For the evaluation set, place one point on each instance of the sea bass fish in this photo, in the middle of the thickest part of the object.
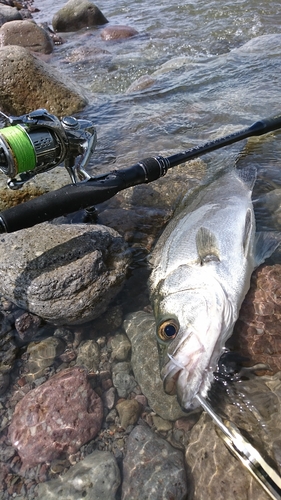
(202, 265)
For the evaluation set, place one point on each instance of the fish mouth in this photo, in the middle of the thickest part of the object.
(179, 384)
(187, 380)
(170, 383)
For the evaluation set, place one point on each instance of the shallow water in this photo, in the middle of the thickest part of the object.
(210, 69)
(205, 81)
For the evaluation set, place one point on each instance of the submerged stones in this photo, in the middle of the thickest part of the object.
(213, 467)
(88, 355)
(56, 418)
(41, 355)
(96, 477)
(118, 32)
(153, 469)
(65, 273)
(129, 412)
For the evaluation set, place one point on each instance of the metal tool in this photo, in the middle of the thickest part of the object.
(248, 455)
(38, 141)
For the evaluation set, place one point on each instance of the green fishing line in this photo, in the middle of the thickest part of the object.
(21, 146)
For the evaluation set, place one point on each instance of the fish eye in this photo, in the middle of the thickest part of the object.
(168, 329)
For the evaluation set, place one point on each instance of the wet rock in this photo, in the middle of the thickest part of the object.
(108, 322)
(142, 83)
(161, 424)
(64, 334)
(4, 381)
(257, 333)
(6, 453)
(152, 468)
(140, 328)
(124, 382)
(66, 273)
(109, 398)
(120, 346)
(43, 183)
(57, 40)
(139, 225)
(90, 55)
(42, 354)
(129, 412)
(56, 418)
(88, 355)
(8, 349)
(74, 16)
(26, 34)
(4, 472)
(106, 383)
(118, 32)
(213, 467)
(27, 326)
(27, 83)
(8, 14)
(96, 477)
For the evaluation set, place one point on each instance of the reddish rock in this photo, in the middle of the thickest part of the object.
(27, 326)
(118, 32)
(56, 418)
(257, 332)
(4, 473)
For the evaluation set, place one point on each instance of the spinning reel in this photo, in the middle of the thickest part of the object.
(38, 141)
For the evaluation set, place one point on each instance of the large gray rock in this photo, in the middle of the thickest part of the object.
(8, 13)
(74, 16)
(26, 83)
(153, 469)
(96, 477)
(63, 273)
(140, 328)
(26, 34)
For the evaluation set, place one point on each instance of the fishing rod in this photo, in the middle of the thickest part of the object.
(49, 142)
(259, 467)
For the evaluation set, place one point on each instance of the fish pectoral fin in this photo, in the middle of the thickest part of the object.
(247, 231)
(266, 243)
(207, 247)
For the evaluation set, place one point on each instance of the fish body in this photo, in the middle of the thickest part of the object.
(202, 265)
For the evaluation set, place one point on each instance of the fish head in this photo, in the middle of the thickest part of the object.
(192, 326)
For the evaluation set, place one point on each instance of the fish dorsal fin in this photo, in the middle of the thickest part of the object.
(248, 175)
(247, 231)
(207, 247)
